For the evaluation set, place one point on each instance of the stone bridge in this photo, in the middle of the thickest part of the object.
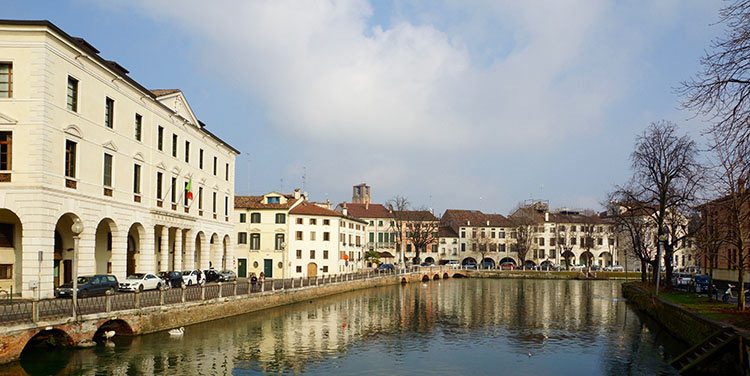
(238, 299)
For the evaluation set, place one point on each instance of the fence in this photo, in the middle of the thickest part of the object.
(18, 312)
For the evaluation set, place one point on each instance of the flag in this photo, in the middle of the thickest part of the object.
(189, 189)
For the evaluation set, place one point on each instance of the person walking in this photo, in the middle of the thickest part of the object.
(253, 282)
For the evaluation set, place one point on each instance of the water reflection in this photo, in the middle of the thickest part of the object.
(441, 327)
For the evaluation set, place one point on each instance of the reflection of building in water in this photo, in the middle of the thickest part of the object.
(293, 338)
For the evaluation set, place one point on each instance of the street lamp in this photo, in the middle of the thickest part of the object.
(77, 229)
(659, 245)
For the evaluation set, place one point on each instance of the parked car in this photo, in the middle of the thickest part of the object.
(488, 265)
(426, 264)
(577, 267)
(614, 268)
(386, 267)
(507, 266)
(171, 279)
(92, 285)
(470, 265)
(682, 280)
(212, 275)
(454, 264)
(140, 282)
(227, 276)
(193, 277)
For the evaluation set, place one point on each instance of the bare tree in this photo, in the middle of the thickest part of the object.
(564, 245)
(633, 227)
(418, 228)
(708, 241)
(732, 214)
(524, 234)
(665, 181)
(587, 243)
(397, 206)
(483, 245)
(721, 91)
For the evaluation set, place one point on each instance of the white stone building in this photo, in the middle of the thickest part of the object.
(380, 231)
(323, 241)
(470, 236)
(80, 139)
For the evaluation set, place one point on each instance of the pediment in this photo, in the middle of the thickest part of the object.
(73, 130)
(7, 120)
(179, 106)
(203, 181)
(176, 170)
(110, 145)
(138, 157)
(216, 187)
(161, 166)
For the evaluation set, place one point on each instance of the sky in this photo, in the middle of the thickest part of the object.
(471, 104)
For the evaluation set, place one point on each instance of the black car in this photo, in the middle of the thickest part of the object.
(212, 275)
(386, 267)
(91, 285)
(171, 279)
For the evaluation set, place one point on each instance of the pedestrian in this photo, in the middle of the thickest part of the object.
(253, 281)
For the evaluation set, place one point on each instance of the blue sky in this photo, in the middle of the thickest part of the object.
(453, 104)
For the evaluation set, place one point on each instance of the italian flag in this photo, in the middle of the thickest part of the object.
(189, 189)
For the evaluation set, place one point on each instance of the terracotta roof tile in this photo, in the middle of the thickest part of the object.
(256, 202)
(365, 210)
(415, 215)
(162, 92)
(475, 218)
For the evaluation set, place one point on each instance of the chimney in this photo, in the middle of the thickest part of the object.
(296, 193)
(345, 212)
(488, 222)
(468, 222)
(367, 205)
(546, 216)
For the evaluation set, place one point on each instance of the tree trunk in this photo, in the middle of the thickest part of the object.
(741, 279)
(643, 271)
(668, 266)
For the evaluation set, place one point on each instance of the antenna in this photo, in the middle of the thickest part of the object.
(281, 185)
(304, 177)
(248, 173)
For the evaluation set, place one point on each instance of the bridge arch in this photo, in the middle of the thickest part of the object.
(48, 338)
(120, 327)
(436, 277)
(446, 276)
(469, 260)
(425, 278)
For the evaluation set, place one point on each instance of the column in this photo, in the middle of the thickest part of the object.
(87, 249)
(189, 250)
(178, 249)
(231, 265)
(146, 249)
(164, 255)
(119, 253)
(37, 235)
(205, 252)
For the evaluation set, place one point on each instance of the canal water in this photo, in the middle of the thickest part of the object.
(447, 327)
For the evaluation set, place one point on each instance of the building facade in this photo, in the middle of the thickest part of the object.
(480, 239)
(81, 140)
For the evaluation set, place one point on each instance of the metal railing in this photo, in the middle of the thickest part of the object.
(24, 311)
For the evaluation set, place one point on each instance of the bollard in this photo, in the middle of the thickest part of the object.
(108, 301)
(161, 296)
(219, 289)
(184, 289)
(34, 310)
(203, 292)
(316, 281)
(273, 285)
(137, 299)
(234, 289)
(301, 282)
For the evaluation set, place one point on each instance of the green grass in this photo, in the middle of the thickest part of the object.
(712, 309)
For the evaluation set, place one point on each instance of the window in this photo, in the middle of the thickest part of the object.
(573, 241)
(312, 254)
(6, 271)
(226, 172)
(326, 222)
(200, 198)
(174, 145)
(313, 221)
(255, 241)
(6, 80)
(299, 254)
(463, 234)
(312, 235)
(325, 268)
(279, 244)
(463, 247)
(137, 179)
(107, 178)
(187, 151)
(502, 247)
(326, 236)
(599, 241)
(325, 255)
(138, 126)
(298, 235)
(280, 218)
(298, 269)
(254, 217)
(6, 235)
(109, 112)
(213, 202)
(241, 238)
(160, 138)
(200, 159)
(541, 241)
(159, 179)
(215, 161)
(72, 95)
(299, 221)
(226, 206)
(243, 217)
(273, 200)
(611, 241)
(6, 151)
(70, 159)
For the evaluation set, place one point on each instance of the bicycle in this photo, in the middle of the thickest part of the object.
(729, 295)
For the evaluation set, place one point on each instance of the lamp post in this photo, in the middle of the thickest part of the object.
(77, 229)
(659, 245)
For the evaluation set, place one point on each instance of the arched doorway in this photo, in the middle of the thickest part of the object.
(528, 264)
(469, 261)
(103, 246)
(587, 258)
(214, 257)
(429, 260)
(312, 270)
(135, 234)
(200, 251)
(226, 262)
(605, 259)
(568, 259)
(546, 265)
(488, 263)
(507, 260)
(11, 252)
(63, 250)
